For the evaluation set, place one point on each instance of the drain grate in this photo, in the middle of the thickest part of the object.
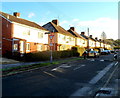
(103, 92)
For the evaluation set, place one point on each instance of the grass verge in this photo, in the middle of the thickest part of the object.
(18, 69)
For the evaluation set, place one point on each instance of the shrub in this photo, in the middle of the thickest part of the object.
(37, 56)
(15, 55)
(45, 55)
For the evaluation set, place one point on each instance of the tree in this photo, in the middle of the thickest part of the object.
(117, 42)
(103, 36)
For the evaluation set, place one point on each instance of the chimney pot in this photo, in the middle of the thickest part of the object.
(82, 33)
(72, 28)
(90, 36)
(96, 38)
(55, 22)
(16, 14)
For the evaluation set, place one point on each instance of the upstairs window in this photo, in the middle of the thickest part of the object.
(40, 35)
(26, 33)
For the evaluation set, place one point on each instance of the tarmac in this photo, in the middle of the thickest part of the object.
(112, 82)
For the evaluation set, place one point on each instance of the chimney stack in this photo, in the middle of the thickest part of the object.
(72, 28)
(90, 36)
(55, 22)
(96, 38)
(16, 14)
(82, 33)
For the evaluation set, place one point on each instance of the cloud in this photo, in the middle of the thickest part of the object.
(63, 22)
(31, 15)
(108, 25)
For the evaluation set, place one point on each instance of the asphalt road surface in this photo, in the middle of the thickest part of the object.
(76, 78)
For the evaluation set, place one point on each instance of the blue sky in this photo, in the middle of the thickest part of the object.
(98, 16)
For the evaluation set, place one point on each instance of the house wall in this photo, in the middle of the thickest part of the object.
(91, 43)
(97, 44)
(30, 34)
(7, 30)
(66, 41)
(81, 42)
(35, 37)
(102, 45)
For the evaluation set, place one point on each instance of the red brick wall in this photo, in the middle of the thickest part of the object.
(7, 28)
(33, 47)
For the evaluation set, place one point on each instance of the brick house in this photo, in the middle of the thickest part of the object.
(20, 35)
(62, 39)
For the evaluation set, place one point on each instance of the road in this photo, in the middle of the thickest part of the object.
(76, 78)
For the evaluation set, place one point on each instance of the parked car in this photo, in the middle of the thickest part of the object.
(112, 51)
(105, 52)
(93, 54)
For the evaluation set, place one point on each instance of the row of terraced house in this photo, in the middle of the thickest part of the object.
(25, 36)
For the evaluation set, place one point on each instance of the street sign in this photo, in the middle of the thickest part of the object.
(51, 44)
(51, 36)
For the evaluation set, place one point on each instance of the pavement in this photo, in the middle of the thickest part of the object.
(8, 63)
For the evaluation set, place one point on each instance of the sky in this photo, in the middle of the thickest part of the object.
(97, 16)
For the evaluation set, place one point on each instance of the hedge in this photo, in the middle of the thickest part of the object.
(45, 55)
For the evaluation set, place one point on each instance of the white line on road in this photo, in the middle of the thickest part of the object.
(116, 63)
(84, 90)
(78, 67)
(49, 74)
(102, 60)
(101, 74)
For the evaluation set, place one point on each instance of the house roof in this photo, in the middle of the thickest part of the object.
(21, 21)
(86, 37)
(61, 30)
(75, 34)
(57, 29)
(92, 39)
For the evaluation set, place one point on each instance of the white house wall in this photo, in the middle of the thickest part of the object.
(20, 30)
(64, 39)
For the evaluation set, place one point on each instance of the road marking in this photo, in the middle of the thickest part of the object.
(101, 74)
(62, 66)
(91, 59)
(110, 76)
(84, 90)
(102, 60)
(49, 74)
(78, 67)
(116, 63)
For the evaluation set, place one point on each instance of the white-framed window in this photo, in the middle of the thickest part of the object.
(15, 47)
(26, 33)
(39, 47)
(40, 35)
(64, 38)
(28, 46)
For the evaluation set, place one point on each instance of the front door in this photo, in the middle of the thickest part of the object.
(22, 47)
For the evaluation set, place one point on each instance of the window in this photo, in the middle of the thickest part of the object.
(70, 39)
(64, 38)
(28, 46)
(27, 32)
(40, 35)
(15, 47)
(39, 48)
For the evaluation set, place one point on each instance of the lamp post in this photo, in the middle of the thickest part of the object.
(51, 44)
